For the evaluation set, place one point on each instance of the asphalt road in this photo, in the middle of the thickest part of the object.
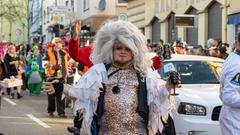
(28, 116)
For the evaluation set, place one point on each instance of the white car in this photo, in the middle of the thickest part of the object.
(198, 105)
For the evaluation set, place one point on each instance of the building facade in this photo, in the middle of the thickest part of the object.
(94, 12)
(35, 20)
(233, 20)
(156, 18)
(57, 17)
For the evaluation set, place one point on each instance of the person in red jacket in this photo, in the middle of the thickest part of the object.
(82, 55)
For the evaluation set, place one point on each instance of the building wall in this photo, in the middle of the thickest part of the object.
(110, 8)
(93, 9)
(96, 17)
(36, 21)
(233, 8)
(47, 19)
(136, 12)
(64, 18)
(180, 7)
(121, 8)
(162, 8)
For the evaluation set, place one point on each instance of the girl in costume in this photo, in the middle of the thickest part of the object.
(35, 71)
(35, 78)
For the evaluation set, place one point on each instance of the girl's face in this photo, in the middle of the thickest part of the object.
(122, 55)
(12, 49)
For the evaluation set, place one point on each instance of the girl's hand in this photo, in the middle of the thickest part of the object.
(48, 87)
(77, 30)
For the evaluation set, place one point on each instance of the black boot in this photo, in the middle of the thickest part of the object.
(8, 91)
(19, 96)
(74, 130)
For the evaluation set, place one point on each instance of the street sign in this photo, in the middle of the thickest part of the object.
(70, 15)
(56, 18)
(122, 17)
(59, 9)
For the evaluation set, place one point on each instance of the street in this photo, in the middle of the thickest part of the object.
(28, 116)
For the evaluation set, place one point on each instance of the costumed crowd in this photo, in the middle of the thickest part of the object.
(119, 91)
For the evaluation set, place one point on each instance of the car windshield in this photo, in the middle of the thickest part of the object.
(193, 72)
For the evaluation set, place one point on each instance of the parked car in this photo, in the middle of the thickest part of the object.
(197, 106)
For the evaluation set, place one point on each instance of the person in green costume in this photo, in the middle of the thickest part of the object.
(35, 78)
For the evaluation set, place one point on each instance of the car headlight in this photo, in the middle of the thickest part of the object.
(191, 109)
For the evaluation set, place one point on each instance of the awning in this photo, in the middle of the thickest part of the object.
(234, 19)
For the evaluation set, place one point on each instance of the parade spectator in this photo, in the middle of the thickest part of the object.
(149, 44)
(11, 61)
(58, 65)
(223, 52)
(4, 47)
(214, 52)
(126, 95)
(22, 65)
(179, 48)
(2, 70)
(211, 43)
(198, 50)
(230, 93)
(3, 51)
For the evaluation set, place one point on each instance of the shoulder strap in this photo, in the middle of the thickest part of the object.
(142, 107)
(100, 107)
(107, 66)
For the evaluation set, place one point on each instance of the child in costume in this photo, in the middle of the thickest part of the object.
(35, 56)
(35, 71)
(35, 78)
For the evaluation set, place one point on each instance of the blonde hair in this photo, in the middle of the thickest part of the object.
(12, 50)
(126, 33)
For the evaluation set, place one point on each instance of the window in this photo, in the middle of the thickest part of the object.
(194, 72)
(86, 4)
(44, 16)
(122, 1)
(66, 3)
(72, 2)
(31, 17)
